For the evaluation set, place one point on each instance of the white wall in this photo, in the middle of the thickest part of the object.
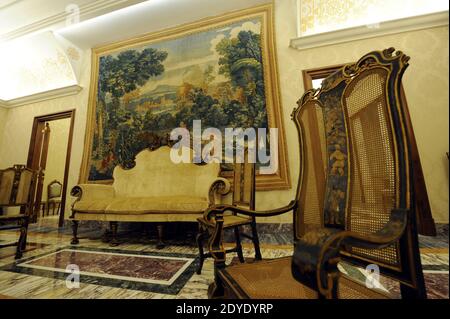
(3, 119)
(15, 140)
(425, 82)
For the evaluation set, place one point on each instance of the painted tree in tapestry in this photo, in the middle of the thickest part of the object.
(214, 75)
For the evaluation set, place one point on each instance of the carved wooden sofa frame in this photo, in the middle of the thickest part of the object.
(154, 189)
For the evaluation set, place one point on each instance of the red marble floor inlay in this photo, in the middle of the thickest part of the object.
(114, 264)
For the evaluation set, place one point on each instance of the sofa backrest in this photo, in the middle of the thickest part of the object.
(155, 174)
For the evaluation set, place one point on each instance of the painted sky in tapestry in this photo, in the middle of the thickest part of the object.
(214, 75)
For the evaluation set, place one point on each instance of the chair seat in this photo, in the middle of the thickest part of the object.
(272, 279)
(166, 204)
(228, 221)
(92, 206)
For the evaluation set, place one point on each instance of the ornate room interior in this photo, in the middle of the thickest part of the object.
(245, 149)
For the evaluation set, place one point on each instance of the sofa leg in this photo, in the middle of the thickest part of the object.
(74, 240)
(114, 242)
(201, 254)
(160, 243)
(106, 236)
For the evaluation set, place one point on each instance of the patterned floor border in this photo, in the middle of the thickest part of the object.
(22, 266)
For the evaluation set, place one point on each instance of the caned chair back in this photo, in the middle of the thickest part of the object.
(244, 180)
(16, 186)
(355, 166)
(54, 189)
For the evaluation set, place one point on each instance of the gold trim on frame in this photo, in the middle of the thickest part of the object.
(279, 180)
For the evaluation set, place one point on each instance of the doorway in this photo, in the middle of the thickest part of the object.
(49, 155)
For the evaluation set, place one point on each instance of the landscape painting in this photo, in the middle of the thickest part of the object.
(215, 74)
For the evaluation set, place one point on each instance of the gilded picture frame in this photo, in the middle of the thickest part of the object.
(264, 14)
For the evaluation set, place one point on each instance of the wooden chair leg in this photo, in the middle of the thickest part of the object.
(216, 289)
(160, 243)
(408, 292)
(24, 238)
(238, 244)
(114, 226)
(74, 240)
(21, 245)
(200, 237)
(255, 240)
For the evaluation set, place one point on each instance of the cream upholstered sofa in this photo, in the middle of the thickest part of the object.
(155, 190)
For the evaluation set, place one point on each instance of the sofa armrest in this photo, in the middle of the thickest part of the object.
(92, 191)
(220, 186)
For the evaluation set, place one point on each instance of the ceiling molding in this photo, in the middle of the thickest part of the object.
(39, 97)
(370, 31)
(87, 11)
(7, 3)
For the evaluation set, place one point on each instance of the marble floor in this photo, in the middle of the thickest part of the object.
(107, 272)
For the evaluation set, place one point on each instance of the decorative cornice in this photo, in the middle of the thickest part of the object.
(87, 11)
(370, 31)
(39, 97)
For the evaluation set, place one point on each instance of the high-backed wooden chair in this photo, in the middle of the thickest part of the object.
(17, 190)
(243, 197)
(354, 198)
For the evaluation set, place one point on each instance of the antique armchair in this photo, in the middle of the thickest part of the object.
(354, 199)
(17, 185)
(54, 191)
(243, 197)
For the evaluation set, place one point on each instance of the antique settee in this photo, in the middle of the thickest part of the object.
(156, 189)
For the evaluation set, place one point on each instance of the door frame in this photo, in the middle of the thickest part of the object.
(34, 133)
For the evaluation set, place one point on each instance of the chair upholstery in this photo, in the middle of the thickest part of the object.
(355, 194)
(17, 188)
(54, 192)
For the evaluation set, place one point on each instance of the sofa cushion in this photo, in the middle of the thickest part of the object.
(92, 206)
(157, 204)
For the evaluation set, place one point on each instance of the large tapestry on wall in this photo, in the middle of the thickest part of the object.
(221, 71)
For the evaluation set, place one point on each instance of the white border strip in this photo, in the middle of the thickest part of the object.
(108, 276)
(40, 97)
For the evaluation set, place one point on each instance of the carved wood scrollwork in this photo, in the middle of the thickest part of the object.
(349, 71)
(127, 158)
(152, 142)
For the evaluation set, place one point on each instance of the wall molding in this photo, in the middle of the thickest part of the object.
(370, 31)
(87, 11)
(43, 96)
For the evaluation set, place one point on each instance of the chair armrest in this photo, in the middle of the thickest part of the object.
(317, 253)
(217, 210)
(220, 186)
(92, 191)
(215, 243)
